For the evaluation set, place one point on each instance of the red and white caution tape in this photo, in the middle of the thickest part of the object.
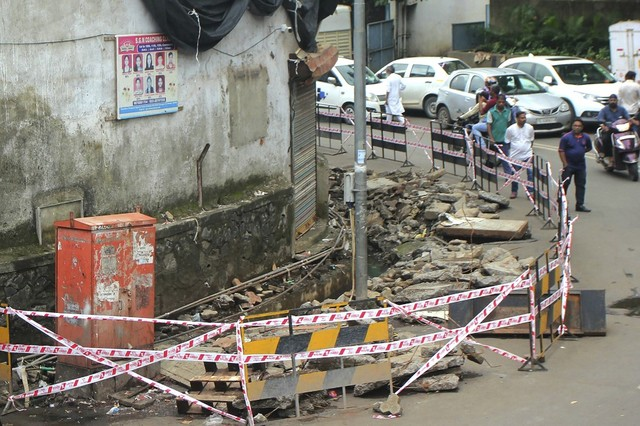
(120, 369)
(468, 340)
(73, 316)
(241, 367)
(468, 329)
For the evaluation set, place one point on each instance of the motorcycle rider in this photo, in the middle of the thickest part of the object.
(606, 116)
(481, 126)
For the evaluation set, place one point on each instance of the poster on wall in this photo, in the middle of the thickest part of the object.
(146, 69)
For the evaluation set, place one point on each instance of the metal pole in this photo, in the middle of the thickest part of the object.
(360, 152)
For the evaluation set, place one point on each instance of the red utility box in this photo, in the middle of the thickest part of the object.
(105, 266)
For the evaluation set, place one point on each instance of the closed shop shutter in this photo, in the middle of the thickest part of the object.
(304, 157)
(340, 39)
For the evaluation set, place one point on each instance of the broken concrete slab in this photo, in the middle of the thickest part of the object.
(480, 228)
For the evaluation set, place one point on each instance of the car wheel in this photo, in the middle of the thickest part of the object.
(429, 106)
(572, 111)
(349, 110)
(443, 116)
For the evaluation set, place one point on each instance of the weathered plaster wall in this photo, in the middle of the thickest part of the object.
(429, 24)
(58, 102)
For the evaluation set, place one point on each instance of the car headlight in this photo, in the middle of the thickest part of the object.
(590, 97)
(372, 97)
(564, 106)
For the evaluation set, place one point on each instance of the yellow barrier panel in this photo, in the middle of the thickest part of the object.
(5, 357)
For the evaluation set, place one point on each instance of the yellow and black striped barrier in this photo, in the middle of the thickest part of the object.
(303, 339)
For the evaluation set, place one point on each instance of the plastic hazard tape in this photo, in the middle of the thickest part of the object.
(425, 321)
(387, 312)
(336, 130)
(450, 152)
(120, 369)
(241, 367)
(64, 315)
(390, 140)
(461, 334)
(117, 353)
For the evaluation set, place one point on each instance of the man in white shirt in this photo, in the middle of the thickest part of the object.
(520, 137)
(394, 108)
(629, 93)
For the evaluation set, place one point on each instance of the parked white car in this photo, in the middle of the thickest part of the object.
(423, 76)
(584, 84)
(336, 88)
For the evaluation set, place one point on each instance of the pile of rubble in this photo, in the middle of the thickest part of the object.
(403, 211)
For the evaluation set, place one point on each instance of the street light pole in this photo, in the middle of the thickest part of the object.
(360, 152)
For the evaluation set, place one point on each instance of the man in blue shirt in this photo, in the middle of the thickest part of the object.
(573, 147)
(607, 115)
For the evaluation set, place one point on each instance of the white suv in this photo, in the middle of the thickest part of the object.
(584, 84)
(336, 89)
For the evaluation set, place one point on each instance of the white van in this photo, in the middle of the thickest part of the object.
(336, 88)
(584, 84)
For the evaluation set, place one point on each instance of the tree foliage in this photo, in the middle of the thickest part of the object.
(531, 32)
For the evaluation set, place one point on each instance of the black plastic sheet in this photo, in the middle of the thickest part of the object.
(201, 24)
(305, 16)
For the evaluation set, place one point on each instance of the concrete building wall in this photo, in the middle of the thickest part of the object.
(429, 24)
(59, 135)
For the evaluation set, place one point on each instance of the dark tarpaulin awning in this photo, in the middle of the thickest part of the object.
(201, 24)
(306, 16)
(211, 22)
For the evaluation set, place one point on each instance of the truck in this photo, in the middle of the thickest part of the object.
(624, 42)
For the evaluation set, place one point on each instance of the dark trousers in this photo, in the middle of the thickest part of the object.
(607, 146)
(580, 182)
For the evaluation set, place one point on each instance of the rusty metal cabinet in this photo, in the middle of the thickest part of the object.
(105, 266)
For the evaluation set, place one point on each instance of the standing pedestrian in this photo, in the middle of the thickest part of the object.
(629, 93)
(394, 84)
(498, 119)
(573, 147)
(519, 137)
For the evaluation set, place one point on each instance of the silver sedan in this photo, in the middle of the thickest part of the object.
(545, 112)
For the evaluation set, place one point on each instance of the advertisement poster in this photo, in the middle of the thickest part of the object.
(146, 69)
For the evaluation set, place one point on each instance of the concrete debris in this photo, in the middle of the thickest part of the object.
(390, 406)
(404, 211)
(443, 382)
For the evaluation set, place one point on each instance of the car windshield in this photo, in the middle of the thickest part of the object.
(589, 73)
(452, 66)
(348, 72)
(518, 85)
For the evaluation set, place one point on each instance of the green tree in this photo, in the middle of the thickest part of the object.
(532, 32)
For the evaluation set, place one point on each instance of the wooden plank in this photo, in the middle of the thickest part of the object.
(216, 378)
(213, 396)
(475, 227)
